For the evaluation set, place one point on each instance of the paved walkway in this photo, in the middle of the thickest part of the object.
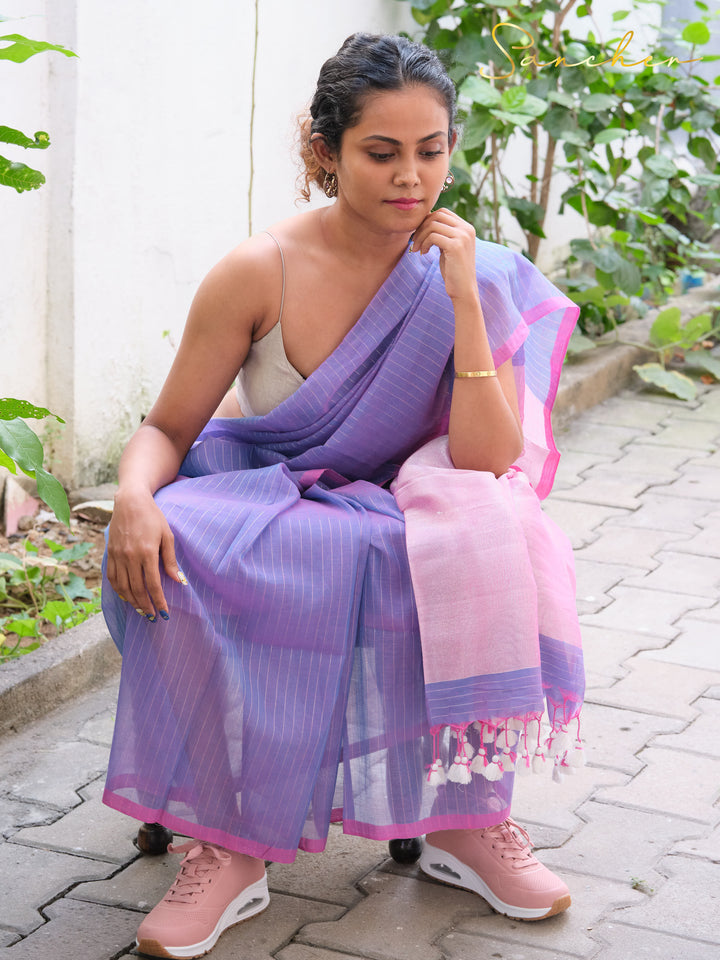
(635, 833)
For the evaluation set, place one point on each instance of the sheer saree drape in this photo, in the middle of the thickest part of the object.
(287, 688)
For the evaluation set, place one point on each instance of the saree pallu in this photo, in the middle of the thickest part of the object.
(287, 689)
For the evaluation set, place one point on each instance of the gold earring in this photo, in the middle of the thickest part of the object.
(449, 181)
(330, 185)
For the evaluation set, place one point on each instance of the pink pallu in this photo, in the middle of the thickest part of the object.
(319, 666)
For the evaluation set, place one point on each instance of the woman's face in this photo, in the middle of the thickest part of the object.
(393, 163)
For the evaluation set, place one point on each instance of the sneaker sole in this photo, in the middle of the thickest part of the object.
(252, 901)
(448, 869)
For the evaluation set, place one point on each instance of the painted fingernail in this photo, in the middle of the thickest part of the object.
(182, 578)
(164, 614)
(151, 617)
(141, 612)
(124, 599)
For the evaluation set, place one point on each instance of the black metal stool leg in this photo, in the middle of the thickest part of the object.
(153, 838)
(405, 851)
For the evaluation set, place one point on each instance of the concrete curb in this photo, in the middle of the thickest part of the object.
(85, 657)
(79, 660)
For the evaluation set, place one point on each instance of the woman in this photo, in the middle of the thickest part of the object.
(311, 665)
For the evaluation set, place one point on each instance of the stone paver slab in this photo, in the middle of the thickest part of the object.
(78, 930)
(572, 466)
(697, 434)
(674, 514)
(37, 877)
(464, 946)
(619, 844)
(594, 581)
(696, 482)
(606, 650)
(613, 736)
(331, 875)
(139, 886)
(607, 487)
(706, 543)
(262, 936)
(661, 463)
(601, 438)
(709, 615)
(301, 951)
(580, 521)
(15, 814)
(566, 933)
(399, 920)
(679, 784)
(55, 774)
(696, 646)
(91, 830)
(621, 942)
(705, 847)
(681, 573)
(645, 611)
(632, 546)
(692, 914)
(629, 410)
(99, 729)
(700, 736)
(652, 686)
(540, 800)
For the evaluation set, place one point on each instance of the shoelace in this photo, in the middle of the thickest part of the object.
(511, 840)
(196, 868)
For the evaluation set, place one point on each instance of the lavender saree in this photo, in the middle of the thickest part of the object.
(287, 690)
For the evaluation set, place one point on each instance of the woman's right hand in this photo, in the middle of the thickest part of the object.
(138, 538)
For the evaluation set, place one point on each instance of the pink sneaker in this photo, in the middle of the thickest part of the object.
(496, 863)
(214, 890)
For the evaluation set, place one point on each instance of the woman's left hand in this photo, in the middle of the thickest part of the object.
(455, 239)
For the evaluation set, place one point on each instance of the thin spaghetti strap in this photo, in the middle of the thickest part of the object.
(282, 261)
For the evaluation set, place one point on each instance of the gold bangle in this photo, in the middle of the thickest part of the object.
(476, 373)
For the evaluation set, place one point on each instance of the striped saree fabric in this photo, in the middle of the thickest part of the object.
(287, 689)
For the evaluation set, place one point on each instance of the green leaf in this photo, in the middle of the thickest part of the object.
(7, 462)
(678, 384)
(661, 166)
(696, 328)
(21, 48)
(595, 102)
(10, 408)
(696, 33)
(610, 134)
(19, 176)
(579, 343)
(528, 214)
(702, 148)
(8, 561)
(653, 191)
(69, 554)
(516, 119)
(23, 627)
(56, 611)
(666, 327)
(10, 135)
(564, 99)
(19, 442)
(704, 359)
(74, 588)
(480, 91)
(513, 98)
(477, 130)
(52, 493)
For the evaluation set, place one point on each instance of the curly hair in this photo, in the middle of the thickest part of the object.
(364, 64)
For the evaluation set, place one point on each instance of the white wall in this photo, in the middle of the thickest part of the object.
(148, 179)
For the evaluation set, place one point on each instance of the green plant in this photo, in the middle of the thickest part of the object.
(635, 138)
(21, 447)
(688, 343)
(13, 174)
(38, 591)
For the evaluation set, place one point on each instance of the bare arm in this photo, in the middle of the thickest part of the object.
(485, 431)
(227, 307)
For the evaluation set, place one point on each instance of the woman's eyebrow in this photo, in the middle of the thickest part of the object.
(398, 143)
